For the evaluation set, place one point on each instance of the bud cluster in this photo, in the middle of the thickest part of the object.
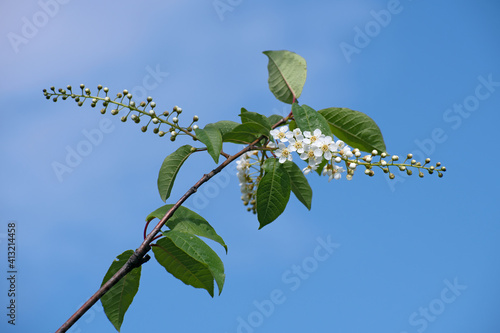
(123, 104)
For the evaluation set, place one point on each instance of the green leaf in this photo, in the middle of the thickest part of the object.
(287, 75)
(182, 256)
(299, 184)
(225, 126)
(354, 128)
(182, 266)
(273, 192)
(244, 133)
(186, 220)
(248, 117)
(273, 119)
(308, 119)
(117, 300)
(169, 169)
(211, 136)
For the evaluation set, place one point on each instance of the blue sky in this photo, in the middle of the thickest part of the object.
(408, 255)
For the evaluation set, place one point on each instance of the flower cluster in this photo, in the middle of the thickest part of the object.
(315, 148)
(249, 180)
(322, 150)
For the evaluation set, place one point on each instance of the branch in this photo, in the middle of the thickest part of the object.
(140, 255)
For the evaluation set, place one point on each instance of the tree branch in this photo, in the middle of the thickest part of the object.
(140, 255)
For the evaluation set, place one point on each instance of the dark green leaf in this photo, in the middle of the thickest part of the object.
(273, 119)
(248, 117)
(287, 75)
(211, 136)
(354, 128)
(200, 251)
(244, 133)
(181, 265)
(225, 126)
(308, 119)
(273, 192)
(299, 184)
(186, 220)
(117, 300)
(169, 169)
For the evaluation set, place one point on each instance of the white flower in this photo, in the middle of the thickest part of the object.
(283, 134)
(313, 154)
(297, 132)
(333, 171)
(271, 145)
(296, 145)
(327, 146)
(283, 153)
(311, 139)
(309, 168)
(344, 149)
(336, 173)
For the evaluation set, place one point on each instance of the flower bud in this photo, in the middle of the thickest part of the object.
(155, 120)
(374, 152)
(195, 118)
(175, 120)
(149, 99)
